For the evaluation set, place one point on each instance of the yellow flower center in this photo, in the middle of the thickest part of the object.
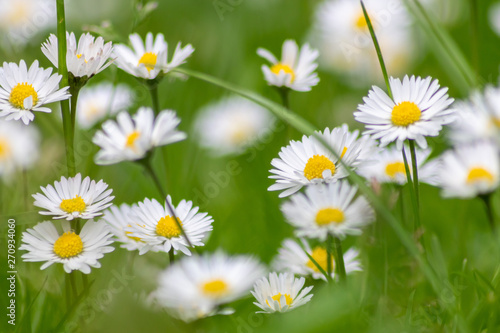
(319, 255)
(361, 23)
(73, 205)
(131, 139)
(68, 245)
(148, 60)
(316, 165)
(167, 227)
(20, 92)
(405, 113)
(329, 215)
(215, 288)
(277, 297)
(479, 174)
(276, 69)
(392, 169)
(4, 148)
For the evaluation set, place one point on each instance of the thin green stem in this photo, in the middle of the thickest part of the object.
(67, 290)
(153, 90)
(285, 100)
(329, 255)
(75, 91)
(72, 281)
(339, 259)
(171, 256)
(486, 198)
(413, 196)
(415, 173)
(68, 129)
(377, 48)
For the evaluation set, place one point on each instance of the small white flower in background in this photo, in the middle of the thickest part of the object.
(309, 162)
(280, 293)
(73, 198)
(76, 252)
(148, 59)
(232, 125)
(419, 108)
(292, 258)
(24, 91)
(388, 167)
(328, 209)
(23, 19)
(100, 101)
(88, 57)
(341, 34)
(296, 70)
(120, 218)
(130, 138)
(470, 170)
(19, 147)
(197, 285)
(155, 225)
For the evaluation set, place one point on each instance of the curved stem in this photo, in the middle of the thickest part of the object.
(153, 90)
(415, 179)
(339, 259)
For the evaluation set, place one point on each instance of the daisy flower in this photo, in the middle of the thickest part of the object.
(84, 59)
(280, 293)
(155, 226)
(149, 60)
(419, 108)
(292, 258)
(75, 252)
(199, 284)
(19, 147)
(23, 91)
(389, 167)
(309, 162)
(100, 101)
(231, 125)
(296, 70)
(73, 199)
(119, 219)
(130, 138)
(328, 209)
(470, 170)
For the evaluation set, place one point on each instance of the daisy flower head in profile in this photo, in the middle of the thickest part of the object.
(120, 218)
(201, 284)
(292, 257)
(74, 251)
(155, 225)
(295, 70)
(85, 59)
(24, 91)
(280, 293)
(100, 101)
(419, 108)
(148, 59)
(71, 198)
(131, 138)
(308, 161)
(470, 170)
(19, 148)
(328, 209)
(232, 125)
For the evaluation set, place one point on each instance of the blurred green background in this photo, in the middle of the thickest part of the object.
(390, 295)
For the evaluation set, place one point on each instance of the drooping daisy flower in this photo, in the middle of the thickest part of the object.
(131, 138)
(23, 91)
(148, 60)
(296, 70)
(232, 125)
(328, 208)
(97, 102)
(119, 219)
(75, 252)
(389, 167)
(71, 198)
(470, 170)
(419, 108)
(19, 147)
(309, 162)
(86, 58)
(293, 258)
(199, 284)
(155, 226)
(280, 293)
(341, 33)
